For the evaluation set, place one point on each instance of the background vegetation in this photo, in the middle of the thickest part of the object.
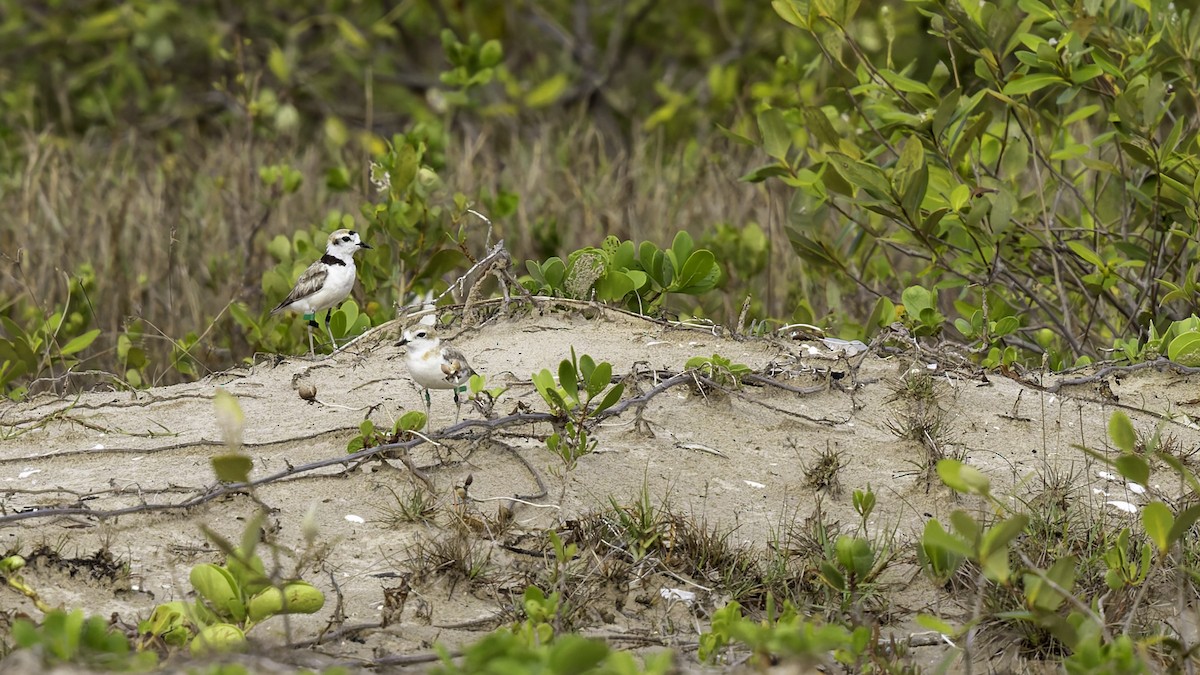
(1029, 164)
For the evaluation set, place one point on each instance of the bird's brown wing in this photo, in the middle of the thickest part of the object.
(456, 368)
(310, 282)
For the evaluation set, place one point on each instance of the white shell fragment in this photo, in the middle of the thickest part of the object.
(1136, 489)
(355, 519)
(28, 472)
(850, 347)
(754, 484)
(677, 594)
(1122, 506)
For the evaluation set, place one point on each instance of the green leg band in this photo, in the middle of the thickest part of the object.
(311, 316)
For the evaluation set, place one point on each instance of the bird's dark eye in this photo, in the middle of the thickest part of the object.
(421, 333)
(345, 238)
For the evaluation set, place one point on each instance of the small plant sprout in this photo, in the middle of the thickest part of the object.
(783, 637)
(10, 574)
(234, 466)
(483, 397)
(580, 382)
(719, 369)
(369, 436)
(864, 505)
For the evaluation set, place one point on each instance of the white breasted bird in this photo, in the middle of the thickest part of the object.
(326, 282)
(434, 365)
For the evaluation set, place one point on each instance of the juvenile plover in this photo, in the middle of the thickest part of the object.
(326, 282)
(434, 365)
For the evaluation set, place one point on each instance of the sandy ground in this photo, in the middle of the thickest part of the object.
(735, 461)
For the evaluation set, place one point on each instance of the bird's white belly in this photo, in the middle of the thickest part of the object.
(426, 370)
(339, 281)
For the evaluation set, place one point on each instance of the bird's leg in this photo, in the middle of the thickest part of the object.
(457, 406)
(330, 330)
(427, 409)
(311, 323)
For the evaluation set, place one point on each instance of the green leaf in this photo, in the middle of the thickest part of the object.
(764, 172)
(935, 624)
(1083, 251)
(916, 299)
(1185, 349)
(232, 468)
(217, 585)
(792, 12)
(491, 54)
(1000, 534)
(995, 566)
(1158, 521)
(412, 420)
(681, 249)
(567, 379)
(80, 342)
(548, 92)
(945, 112)
(1183, 523)
(1086, 73)
(1032, 83)
(610, 398)
(962, 478)
(1120, 430)
(861, 174)
(1005, 326)
(855, 554)
(230, 418)
(777, 138)
(1041, 595)
(599, 379)
(700, 274)
(966, 526)
(912, 177)
(1133, 467)
(573, 653)
(734, 136)
(614, 286)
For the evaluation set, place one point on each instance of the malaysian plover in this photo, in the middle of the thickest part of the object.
(326, 282)
(434, 365)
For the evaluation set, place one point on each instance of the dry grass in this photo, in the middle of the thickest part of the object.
(177, 231)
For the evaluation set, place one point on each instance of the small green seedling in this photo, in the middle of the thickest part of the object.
(483, 397)
(580, 382)
(369, 436)
(719, 369)
(10, 573)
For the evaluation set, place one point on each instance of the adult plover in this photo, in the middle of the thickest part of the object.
(326, 282)
(434, 365)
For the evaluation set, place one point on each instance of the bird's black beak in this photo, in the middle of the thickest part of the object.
(363, 244)
(402, 342)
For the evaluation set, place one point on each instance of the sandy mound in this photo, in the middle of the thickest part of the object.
(734, 461)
